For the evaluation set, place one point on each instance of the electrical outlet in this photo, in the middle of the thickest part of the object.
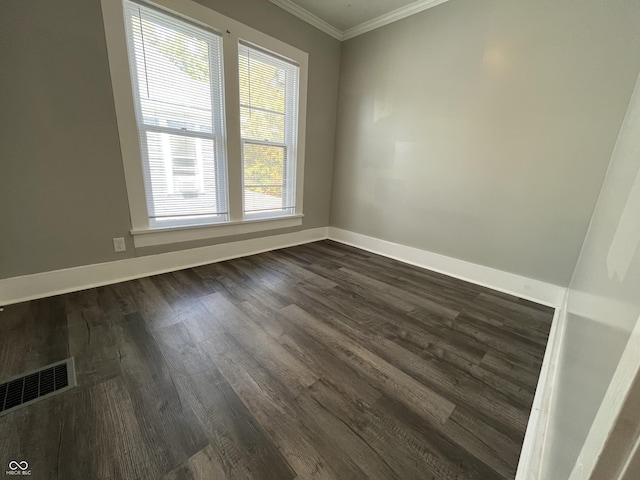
(119, 245)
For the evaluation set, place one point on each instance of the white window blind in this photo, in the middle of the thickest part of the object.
(176, 70)
(268, 123)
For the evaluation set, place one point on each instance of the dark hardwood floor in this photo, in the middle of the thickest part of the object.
(317, 361)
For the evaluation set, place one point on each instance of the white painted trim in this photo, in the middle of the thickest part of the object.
(307, 16)
(39, 285)
(610, 408)
(390, 17)
(116, 41)
(523, 287)
(393, 16)
(530, 463)
(161, 236)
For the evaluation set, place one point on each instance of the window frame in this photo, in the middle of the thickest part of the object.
(232, 33)
(289, 141)
(171, 132)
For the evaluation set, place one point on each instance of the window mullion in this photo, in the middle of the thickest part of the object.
(232, 111)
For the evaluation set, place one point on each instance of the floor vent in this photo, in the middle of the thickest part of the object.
(31, 387)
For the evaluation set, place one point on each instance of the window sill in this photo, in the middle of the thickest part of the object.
(161, 236)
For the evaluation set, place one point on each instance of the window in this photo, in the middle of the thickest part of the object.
(176, 73)
(211, 117)
(268, 99)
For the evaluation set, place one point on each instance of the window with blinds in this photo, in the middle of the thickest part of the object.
(268, 124)
(176, 70)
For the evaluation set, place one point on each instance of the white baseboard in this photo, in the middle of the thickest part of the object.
(530, 463)
(39, 285)
(523, 287)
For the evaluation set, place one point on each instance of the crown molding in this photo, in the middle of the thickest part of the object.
(393, 16)
(308, 17)
(387, 18)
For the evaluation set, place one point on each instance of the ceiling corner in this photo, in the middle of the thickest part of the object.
(308, 17)
(389, 17)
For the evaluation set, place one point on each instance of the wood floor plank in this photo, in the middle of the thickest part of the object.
(333, 371)
(391, 291)
(512, 323)
(433, 284)
(92, 339)
(407, 458)
(518, 372)
(291, 271)
(491, 337)
(499, 338)
(237, 443)
(352, 284)
(443, 442)
(117, 298)
(458, 295)
(148, 297)
(319, 361)
(33, 334)
(174, 293)
(484, 442)
(360, 313)
(41, 450)
(453, 384)
(431, 337)
(169, 426)
(447, 380)
(347, 439)
(390, 378)
(277, 360)
(101, 437)
(202, 466)
(267, 403)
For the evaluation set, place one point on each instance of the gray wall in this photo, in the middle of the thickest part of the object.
(62, 190)
(603, 302)
(481, 130)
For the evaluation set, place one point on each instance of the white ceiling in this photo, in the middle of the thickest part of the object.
(346, 14)
(345, 19)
